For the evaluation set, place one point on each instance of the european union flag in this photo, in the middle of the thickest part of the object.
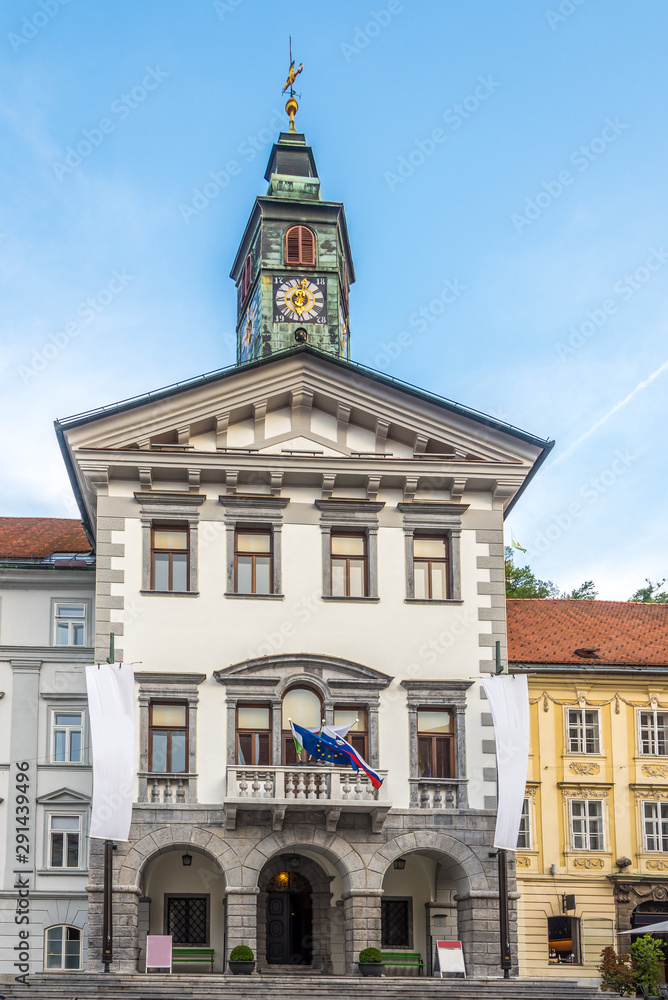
(321, 749)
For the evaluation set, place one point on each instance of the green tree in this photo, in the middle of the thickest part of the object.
(585, 592)
(521, 581)
(651, 594)
(648, 958)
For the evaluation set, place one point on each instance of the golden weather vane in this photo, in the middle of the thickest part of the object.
(291, 107)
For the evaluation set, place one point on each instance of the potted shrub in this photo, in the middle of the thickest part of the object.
(371, 962)
(242, 960)
(616, 973)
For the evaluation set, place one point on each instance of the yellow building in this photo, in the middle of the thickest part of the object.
(592, 856)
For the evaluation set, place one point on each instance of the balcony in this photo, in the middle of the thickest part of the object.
(281, 789)
(438, 793)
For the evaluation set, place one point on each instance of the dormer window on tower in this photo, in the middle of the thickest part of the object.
(300, 245)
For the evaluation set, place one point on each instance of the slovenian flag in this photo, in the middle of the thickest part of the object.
(356, 761)
(516, 544)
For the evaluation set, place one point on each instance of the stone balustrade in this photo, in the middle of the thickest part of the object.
(434, 793)
(292, 784)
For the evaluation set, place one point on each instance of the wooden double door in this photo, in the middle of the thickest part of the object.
(289, 928)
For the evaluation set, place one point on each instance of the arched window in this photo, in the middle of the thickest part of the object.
(304, 707)
(299, 245)
(62, 948)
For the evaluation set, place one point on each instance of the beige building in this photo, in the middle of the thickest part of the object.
(592, 859)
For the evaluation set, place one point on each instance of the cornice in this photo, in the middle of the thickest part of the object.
(49, 654)
(44, 576)
(437, 685)
(253, 501)
(150, 677)
(345, 506)
(432, 507)
(167, 498)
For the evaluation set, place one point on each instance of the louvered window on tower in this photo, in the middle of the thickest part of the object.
(299, 245)
(246, 278)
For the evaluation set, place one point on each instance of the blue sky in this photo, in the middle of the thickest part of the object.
(515, 149)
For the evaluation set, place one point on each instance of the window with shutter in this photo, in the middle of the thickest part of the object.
(299, 245)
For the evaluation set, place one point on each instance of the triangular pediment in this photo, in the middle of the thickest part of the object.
(301, 402)
(64, 797)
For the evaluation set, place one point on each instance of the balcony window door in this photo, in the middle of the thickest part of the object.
(253, 735)
(358, 734)
(304, 707)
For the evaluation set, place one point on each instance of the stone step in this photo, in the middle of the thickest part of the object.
(98, 986)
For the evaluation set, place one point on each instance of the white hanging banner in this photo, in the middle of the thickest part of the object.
(111, 706)
(509, 703)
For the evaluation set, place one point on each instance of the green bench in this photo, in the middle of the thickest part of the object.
(412, 959)
(193, 955)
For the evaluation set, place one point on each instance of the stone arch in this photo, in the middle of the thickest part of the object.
(320, 893)
(337, 851)
(466, 866)
(175, 837)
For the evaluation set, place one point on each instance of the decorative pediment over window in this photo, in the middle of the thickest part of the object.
(64, 797)
(271, 674)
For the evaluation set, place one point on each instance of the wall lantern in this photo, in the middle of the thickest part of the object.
(187, 860)
(400, 864)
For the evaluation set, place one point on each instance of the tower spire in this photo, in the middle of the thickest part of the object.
(291, 106)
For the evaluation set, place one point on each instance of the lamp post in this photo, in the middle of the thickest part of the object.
(504, 932)
(107, 926)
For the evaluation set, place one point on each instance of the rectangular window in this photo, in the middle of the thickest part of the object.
(349, 565)
(395, 924)
(187, 919)
(431, 568)
(655, 826)
(358, 734)
(67, 737)
(435, 743)
(587, 825)
(254, 735)
(583, 731)
(253, 562)
(169, 558)
(563, 935)
(524, 835)
(654, 733)
(70, 624)
(168, 738)
(64, 841)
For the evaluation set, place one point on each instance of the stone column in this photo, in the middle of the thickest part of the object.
(241, 918)
(478, 925)
(361, 908)
(125, 916)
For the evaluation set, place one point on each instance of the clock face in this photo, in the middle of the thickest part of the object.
(300, 299)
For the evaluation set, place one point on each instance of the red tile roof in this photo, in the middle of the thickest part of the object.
(549, 631)
(40, 537)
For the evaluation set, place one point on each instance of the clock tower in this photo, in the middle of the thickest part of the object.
(293, 268)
